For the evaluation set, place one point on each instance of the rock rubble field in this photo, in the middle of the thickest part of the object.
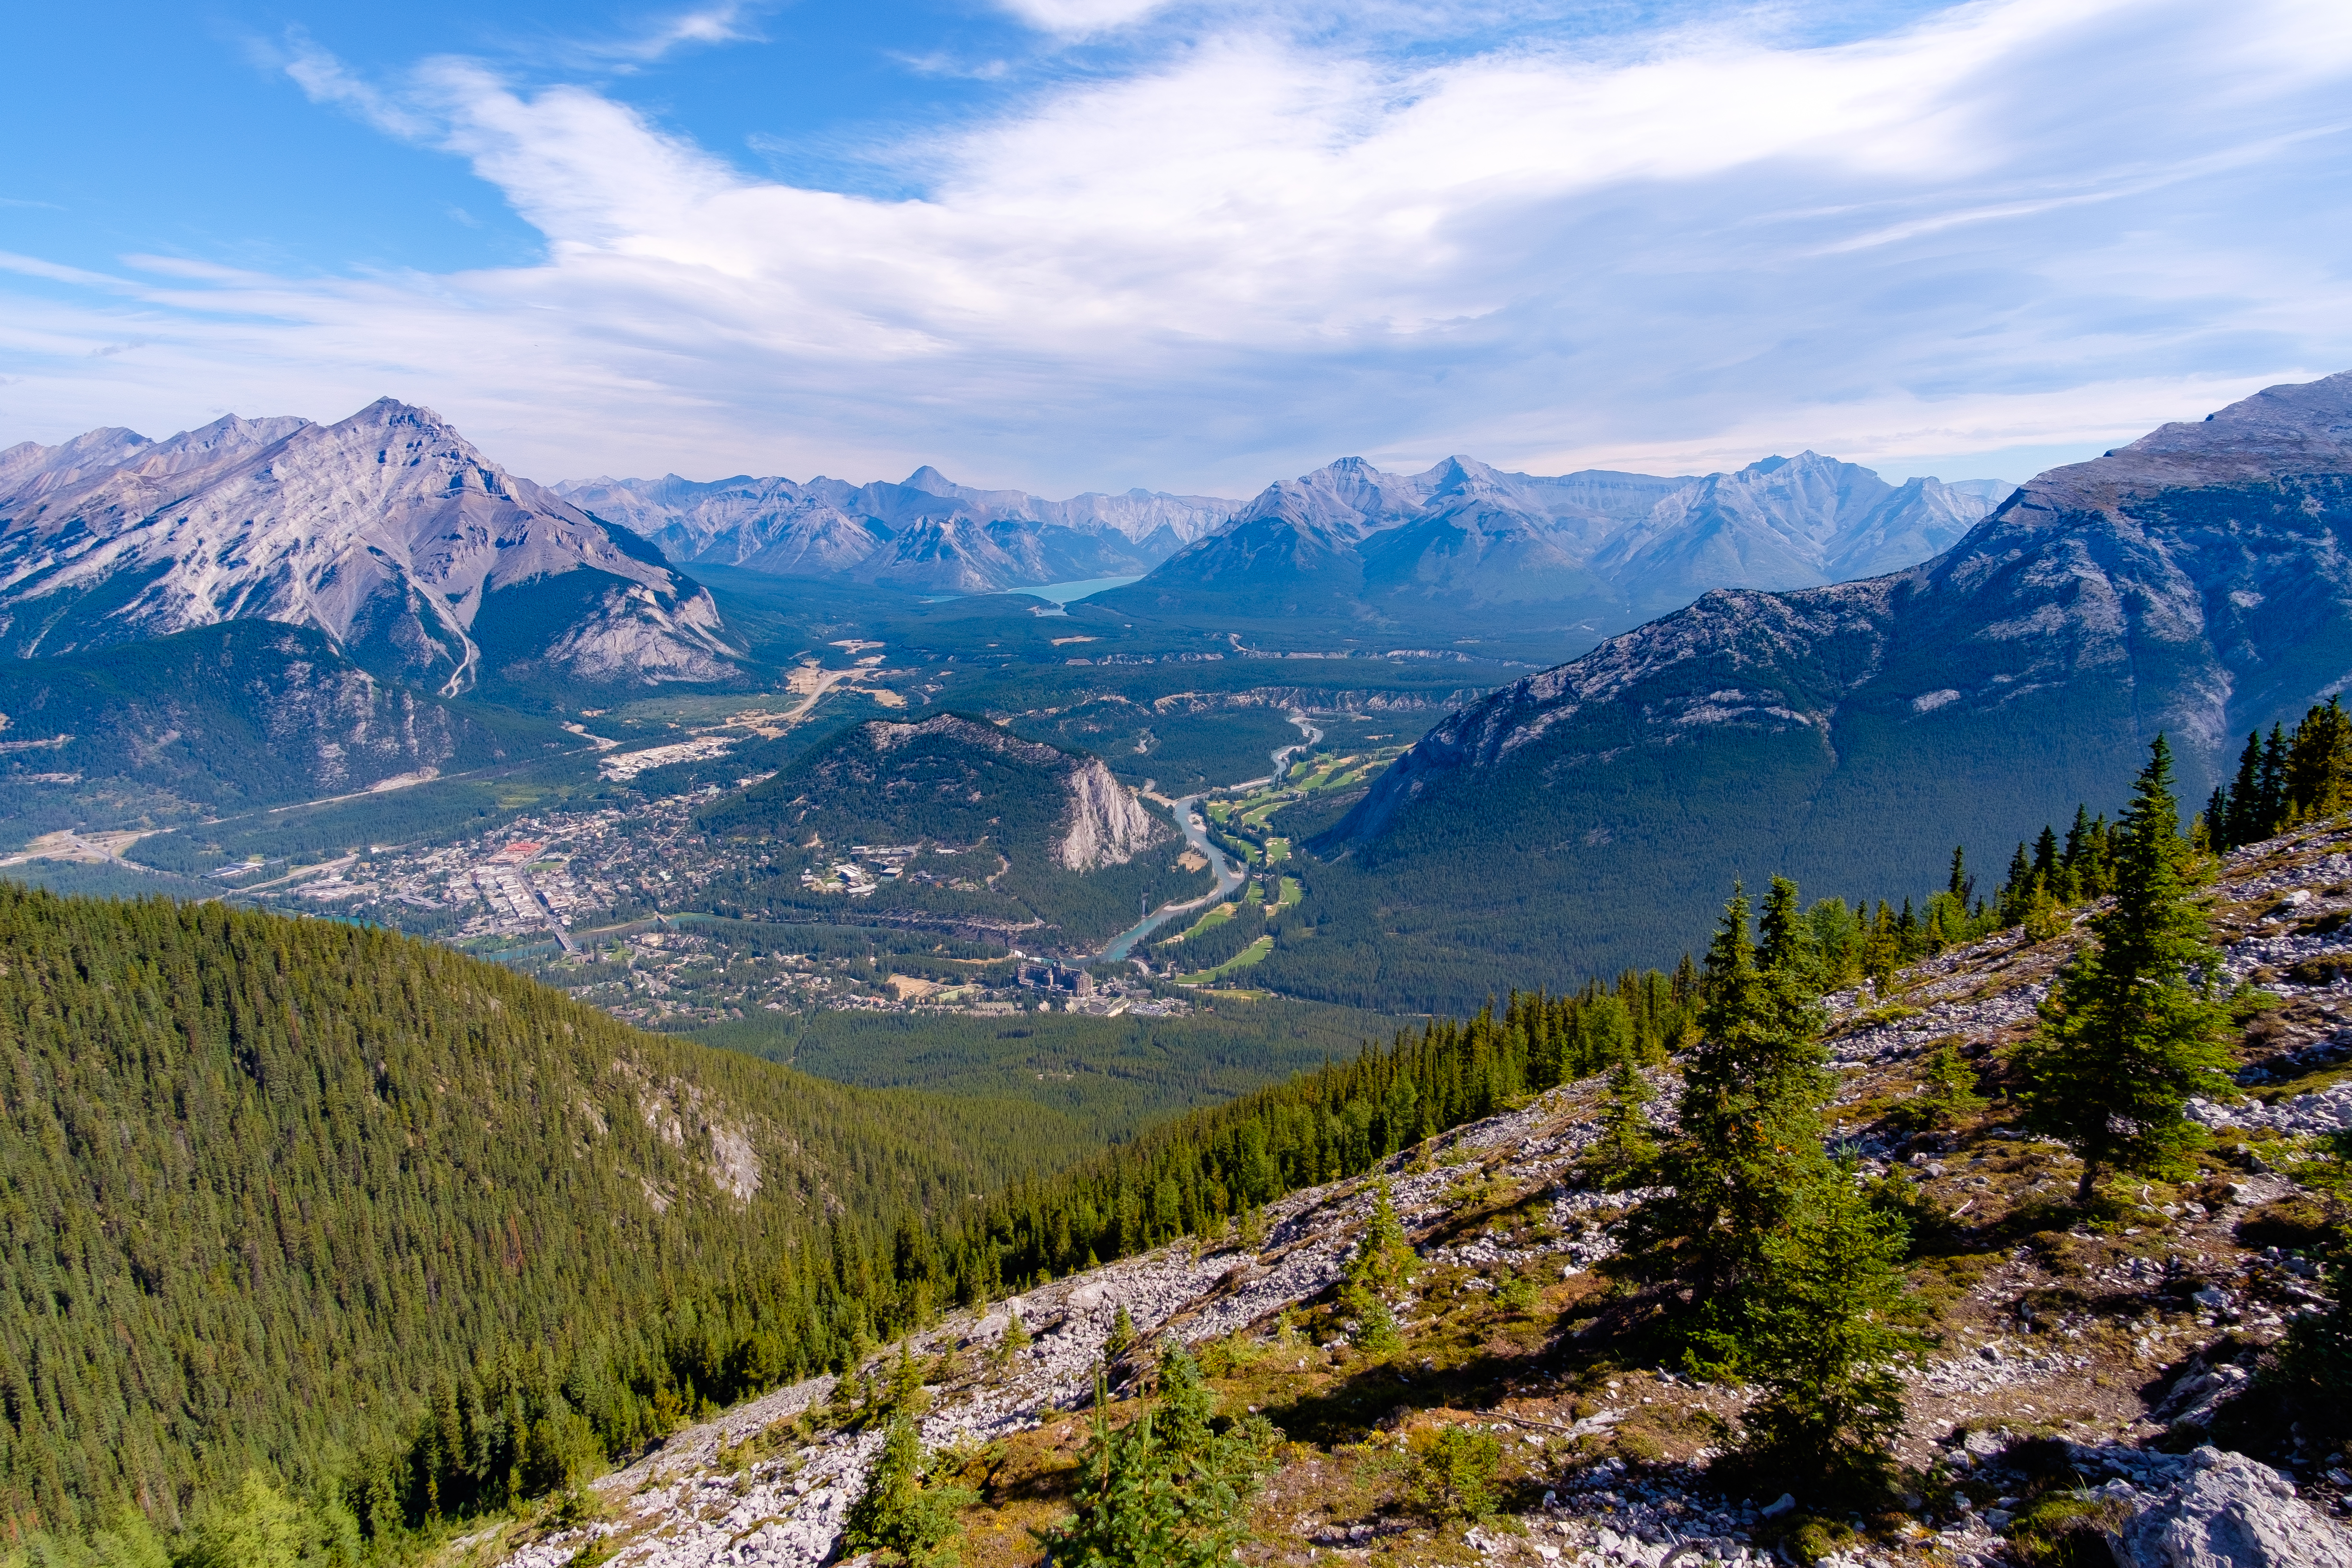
(2101, 1359)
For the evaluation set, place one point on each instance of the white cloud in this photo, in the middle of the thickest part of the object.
(1081, 15)
(2020, 222)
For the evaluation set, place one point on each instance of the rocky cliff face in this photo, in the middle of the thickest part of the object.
(386, 531)
(2191, 583)
(1108, 825)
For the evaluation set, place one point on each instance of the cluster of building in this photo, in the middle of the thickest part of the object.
(868, 866)
(540, 875)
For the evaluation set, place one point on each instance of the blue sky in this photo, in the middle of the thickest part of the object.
(1069, 244)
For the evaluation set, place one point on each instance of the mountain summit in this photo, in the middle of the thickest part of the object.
(387, 531)
(1466, 547)
(2191, 583)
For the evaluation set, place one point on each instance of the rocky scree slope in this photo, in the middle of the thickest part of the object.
(388, 532)
(2064, 1354)
(2191, 583)
(926, 532)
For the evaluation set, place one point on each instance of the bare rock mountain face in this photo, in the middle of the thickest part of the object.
(926, 533)
(388, 532)
(2191, 583)
(1467, 547)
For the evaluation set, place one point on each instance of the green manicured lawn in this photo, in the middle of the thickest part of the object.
(1242, 960)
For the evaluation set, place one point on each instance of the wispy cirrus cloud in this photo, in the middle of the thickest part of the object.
(1244, 247)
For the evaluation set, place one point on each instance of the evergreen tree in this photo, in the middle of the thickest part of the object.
(2134, 1027)
(1962, 887)
(2318, 769)
(1749, 1136)
(1382, 1260)
(2046, 856)
(898, 1518)
(1784, 944)
(1948, 1093)
(2274, 790)
(1167, 1491)
(2244, 822)
(1815, 1338)
(1624, 1148)
(2017, 892)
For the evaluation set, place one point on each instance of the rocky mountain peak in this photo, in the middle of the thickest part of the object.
(2098, 607)
(2285, 430)
(388, 530)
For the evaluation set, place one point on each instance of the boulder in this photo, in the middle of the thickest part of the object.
(2231, 1511)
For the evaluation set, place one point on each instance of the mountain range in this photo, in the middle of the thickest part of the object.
(2191, 583)
(928, 532)
(1463, 545)
(1347, 541)
(223, 719)
(423, 560)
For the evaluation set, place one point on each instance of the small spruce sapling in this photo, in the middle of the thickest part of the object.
(898, 1519)
(1454, 1472)
(907, 1395)
(1383, 1260)
(1168, 1491)
(1948, 1093)
(1625, 1147)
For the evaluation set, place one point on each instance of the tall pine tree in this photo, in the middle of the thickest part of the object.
(2134, 1026)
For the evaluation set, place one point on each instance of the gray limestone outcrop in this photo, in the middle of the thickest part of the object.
(2231, 1511)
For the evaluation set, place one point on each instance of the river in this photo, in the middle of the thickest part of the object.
(1189, 817)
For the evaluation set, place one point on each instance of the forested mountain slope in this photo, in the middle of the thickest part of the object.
(985, 831)
(1421, 1269)
(402, 1226)
(1588, 816)
(221, 720)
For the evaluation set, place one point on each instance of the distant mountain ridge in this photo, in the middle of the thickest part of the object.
(1598, 549)
(928, 532)
(388, 532)
(2189, 583)
(1348, 539)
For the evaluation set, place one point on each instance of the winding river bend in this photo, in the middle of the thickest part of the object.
(1229, 878)
(1189, 817)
